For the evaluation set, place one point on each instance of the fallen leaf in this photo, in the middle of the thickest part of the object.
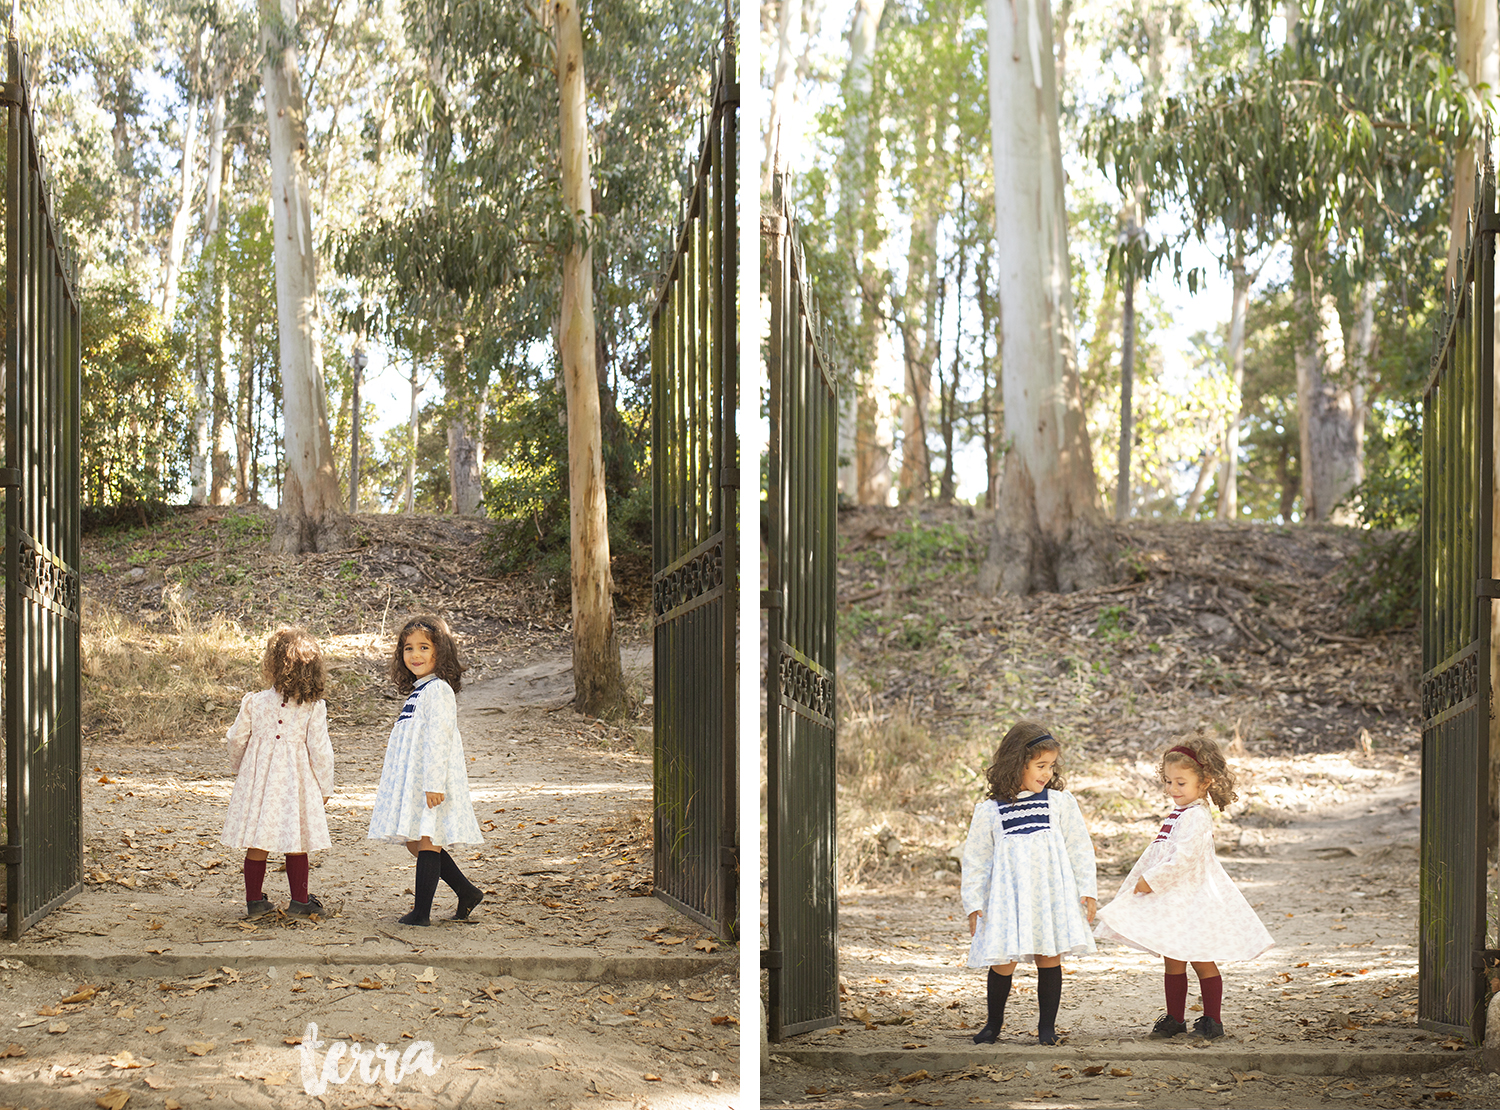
(304, 975)
(369, 984)
(649, 1078)
(703, 997)
(172, 1104)
(82, 993)
(49, 1011)
(156, 1084)
(724, 1019)
(58, 1027)
(427, 976)
(816, 1091)
(1094, 1069)
(154, 1029)
(669, 940)
(113, 1099)
(913, 1044)
(1120, 1073)
(275, 1080)
(707, 946)
(914, 1077)
(291, 1040)
(201, 1048)
(125, 1061)
(12, 1049)
(474, 1066)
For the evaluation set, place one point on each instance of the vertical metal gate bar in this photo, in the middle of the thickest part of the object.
(694, 583)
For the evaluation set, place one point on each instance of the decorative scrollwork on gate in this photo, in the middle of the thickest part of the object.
(1448, 688)
(698, 576)
(803, 686)
(47, 581)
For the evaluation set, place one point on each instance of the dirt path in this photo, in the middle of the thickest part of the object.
(569, 986)
(1325, 847)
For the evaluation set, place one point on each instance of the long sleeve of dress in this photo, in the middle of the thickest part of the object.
(441, 744)
(978, 859)
(1080, 846)
(239, 734)
(320, 748)
(1192, 850)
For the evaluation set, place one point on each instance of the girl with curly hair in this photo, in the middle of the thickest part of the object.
(283, 763)
(1177, 902)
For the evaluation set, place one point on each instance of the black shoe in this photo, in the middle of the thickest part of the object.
(1167, 1026)
(413, 919)
(466, 904)
(1047, 1038)
(306, 909)
(259, 908)
(988, 1035)
(1208, 1028)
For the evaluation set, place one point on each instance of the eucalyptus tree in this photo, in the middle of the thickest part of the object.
(312, 516)
(503, 235)
(1046, 533)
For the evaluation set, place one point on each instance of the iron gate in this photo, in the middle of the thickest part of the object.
(43, 341)
(695, 514)
(801, 727)
(1457, 579)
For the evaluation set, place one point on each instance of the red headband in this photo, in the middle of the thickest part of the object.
(1187, 752)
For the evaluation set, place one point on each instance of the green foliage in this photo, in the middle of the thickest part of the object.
(1111, 624)
(134, 412)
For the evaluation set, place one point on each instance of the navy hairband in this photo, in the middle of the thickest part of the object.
(1039, 739)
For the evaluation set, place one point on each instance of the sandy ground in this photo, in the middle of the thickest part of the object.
(1327, 852)
(572, 986)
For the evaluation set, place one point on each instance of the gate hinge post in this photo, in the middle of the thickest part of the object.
(770, 959)
(770, 599)
(729, 857)
(10, 477)
(1487, 587)
(729, 478)
(10, 855)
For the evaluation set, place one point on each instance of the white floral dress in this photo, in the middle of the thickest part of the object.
(425, 753)
(283, 763)
(1194, 912)
(1027, 865)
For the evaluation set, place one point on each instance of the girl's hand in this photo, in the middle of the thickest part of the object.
(1142, 886)
(1089, 906)
(434, 799)
(974, 921)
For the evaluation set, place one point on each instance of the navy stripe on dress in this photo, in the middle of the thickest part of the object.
(410, 707)
(1028, 815)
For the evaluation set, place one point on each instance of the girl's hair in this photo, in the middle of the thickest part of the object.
(293, 665)
(1210, 764)
(449, 667)
(1023, 743)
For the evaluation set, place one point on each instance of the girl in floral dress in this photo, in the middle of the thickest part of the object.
(283, 763)
(1028, 877)
(423, 800)
(1177, 902)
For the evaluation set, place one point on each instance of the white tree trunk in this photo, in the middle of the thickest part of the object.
(597, 680)
(205, 433)
(466, 467)
(852, 221)
(918, 349)
(312, 515)
(1046, 534)
(178, 243)
(1330, 411)
(782, 132)
(414, 428)
(1477, 50)
(1229, 494)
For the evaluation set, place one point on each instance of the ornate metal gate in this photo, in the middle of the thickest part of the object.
(695, 507)
(1458, 579)
(43, 341)
(801, 736)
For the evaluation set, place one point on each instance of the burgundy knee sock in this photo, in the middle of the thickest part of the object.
(1177, 995)
(255, 879)
(1213, 996)
(296, 876)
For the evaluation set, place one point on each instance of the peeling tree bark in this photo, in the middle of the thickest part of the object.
(312, 516)
(1048, 533)
(597, 679)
